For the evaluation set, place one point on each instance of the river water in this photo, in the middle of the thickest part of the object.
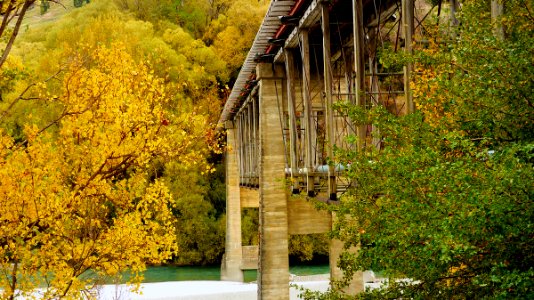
(173, 273)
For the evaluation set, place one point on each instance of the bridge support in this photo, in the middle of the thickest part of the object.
(328, 101)
(356, 284)
(408, 24)
(284, 120)
(233, 257)
(497, 9)
(273, 269)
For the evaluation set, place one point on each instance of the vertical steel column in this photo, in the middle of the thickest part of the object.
(374, 88)
(408, 27)
(290, 81)
(329, 120)
(250, 142)
(454, 7)
(497, 9)
(255, 138)
(241, 147)
(453, 21)
(247, 145)
(308, 121)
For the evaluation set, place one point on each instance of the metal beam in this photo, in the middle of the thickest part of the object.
(497, 10)
(329, 120)
(290, 81)
(308, 118)
(311, 16)
(408, 27)
(359, 66)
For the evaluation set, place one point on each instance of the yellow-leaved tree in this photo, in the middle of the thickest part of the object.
(233, 33)
(78, 194)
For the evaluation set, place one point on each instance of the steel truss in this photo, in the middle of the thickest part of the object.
(332, 57)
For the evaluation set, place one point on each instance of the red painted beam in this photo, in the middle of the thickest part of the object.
(282, 29)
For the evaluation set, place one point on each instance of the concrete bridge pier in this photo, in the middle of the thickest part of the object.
(233, 257)
(356, 284)
(273, 268)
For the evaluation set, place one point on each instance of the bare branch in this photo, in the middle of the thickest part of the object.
(5, 19)
(58, 3)
(16, 13)
(21, 96)
(15, 32)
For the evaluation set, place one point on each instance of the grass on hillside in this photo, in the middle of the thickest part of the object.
(33, 16)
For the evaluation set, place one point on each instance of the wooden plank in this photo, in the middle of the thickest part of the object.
(281, 10)
(292, 40)
(312, 14)
(280, 57)
(383, 16)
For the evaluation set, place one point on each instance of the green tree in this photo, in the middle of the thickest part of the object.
(45, 5)
(199, 217)
(447, 202)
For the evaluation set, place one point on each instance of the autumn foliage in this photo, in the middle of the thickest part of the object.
(109, 157)
(83, 200)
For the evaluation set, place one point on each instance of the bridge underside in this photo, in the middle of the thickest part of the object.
(282, 128)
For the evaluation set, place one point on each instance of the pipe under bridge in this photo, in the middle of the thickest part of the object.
(281, 127)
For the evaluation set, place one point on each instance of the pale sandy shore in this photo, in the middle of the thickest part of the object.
(210, 290)
(215, 290)
(198, 290)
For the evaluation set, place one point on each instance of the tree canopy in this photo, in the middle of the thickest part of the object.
(446, 203)
(109, 154)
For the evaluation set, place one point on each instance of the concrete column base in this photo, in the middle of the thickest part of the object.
(356, 284)
(231, 270)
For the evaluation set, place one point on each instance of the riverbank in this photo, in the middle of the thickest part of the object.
(212, 290)
(197, 290)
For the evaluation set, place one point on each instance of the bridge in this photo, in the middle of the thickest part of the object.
(282, 128)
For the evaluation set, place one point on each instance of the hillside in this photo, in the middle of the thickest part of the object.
(34, 17)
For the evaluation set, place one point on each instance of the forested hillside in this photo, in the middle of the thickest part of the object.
(110, 159)
(109, 154)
